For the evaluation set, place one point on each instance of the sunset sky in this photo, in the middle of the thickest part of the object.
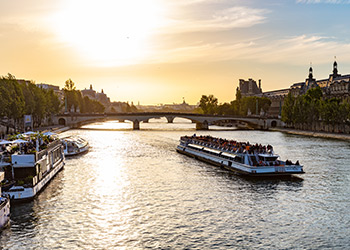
(159, 51)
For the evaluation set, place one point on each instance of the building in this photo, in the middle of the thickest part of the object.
(89, 92)
(335, 85)
(48, 86)
(92, 94)
(249, 88)
(56, 90)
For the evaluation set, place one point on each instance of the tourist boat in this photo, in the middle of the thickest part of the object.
(241, 158)
(74, 145)
(30, 164)
(4, 206)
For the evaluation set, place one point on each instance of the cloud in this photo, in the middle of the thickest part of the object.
(219, 19)
(236, 17)
(298, 49)
(295, 50)
(324, 1)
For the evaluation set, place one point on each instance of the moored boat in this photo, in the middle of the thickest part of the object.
(74, 145)
(29, 164)
(4, 206)
(240, 157)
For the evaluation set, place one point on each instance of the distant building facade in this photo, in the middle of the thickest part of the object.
(249, 88)
(48, 86)
(56, 89)
(175, 107)
(335, 85)
(92, 94)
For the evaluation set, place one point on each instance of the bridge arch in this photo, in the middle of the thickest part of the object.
(62, 121)
(273, 124)
(202, 121)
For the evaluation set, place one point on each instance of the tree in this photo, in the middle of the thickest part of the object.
(238, 100)
(16, 104)
(69, 85)
(254, 103)
(287, 109)
(224, 109)
(299, 114)
(208, 104)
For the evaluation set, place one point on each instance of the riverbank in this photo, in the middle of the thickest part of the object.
(338, 136)
(55, 129)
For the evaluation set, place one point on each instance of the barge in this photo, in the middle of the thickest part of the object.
(4, 206)
(30, 164)
(239, 157)
(74, 145)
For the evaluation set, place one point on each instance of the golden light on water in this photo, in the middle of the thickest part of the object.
(108, 32)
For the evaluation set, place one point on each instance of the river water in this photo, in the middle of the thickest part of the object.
(133, 191)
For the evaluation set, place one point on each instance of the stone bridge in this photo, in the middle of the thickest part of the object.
(76, 120)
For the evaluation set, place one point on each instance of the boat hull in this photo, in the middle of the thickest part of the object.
(22, 194)
(78, 152)
(4, 212)
(238, 168)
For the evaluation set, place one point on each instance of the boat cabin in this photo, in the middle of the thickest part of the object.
(268, 158)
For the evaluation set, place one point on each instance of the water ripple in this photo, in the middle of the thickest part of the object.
(133, 191)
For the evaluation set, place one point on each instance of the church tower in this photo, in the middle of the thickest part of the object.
(310, 73)
(310, 81)
(335, 70)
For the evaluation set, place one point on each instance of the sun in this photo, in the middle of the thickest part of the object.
(109, 32)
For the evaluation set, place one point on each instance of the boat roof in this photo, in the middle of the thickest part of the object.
(195, 146)
(228, 154)
(212, 150)
(268, 155)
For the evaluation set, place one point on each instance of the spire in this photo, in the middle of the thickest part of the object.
(102, 91)
(90, 86)
(310, 72)
(335, 67)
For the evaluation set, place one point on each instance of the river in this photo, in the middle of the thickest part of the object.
(133, 191)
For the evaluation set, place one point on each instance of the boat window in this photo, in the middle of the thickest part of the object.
(17, 189)
(253, 160)
(238, 159)
(268, 158)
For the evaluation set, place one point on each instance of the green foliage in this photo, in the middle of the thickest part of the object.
(251, 103)
(75, 100)
(69, 85)
(312, 107)
(335, 111)
(209, 105)
(18, 99)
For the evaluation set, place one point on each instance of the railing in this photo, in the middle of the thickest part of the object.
(51, 145)
(3, 202)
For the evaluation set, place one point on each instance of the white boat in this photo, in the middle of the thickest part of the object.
(30, 168)
(4, 206)
(74, 145)
(242, 158)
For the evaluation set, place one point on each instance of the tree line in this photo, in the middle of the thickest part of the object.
(312, 108)
(18, 99)
(242, 106)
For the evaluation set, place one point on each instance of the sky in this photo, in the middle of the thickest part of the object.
(161, 51)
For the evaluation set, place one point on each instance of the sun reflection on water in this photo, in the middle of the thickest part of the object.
(111, 212)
